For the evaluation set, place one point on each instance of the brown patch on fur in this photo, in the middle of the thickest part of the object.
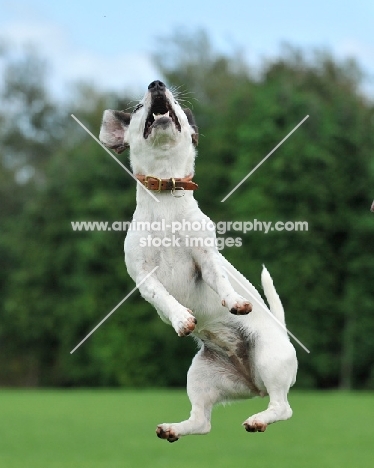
(196, 272)
(236, 356)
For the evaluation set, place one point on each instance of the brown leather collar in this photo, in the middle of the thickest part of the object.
(159, 185)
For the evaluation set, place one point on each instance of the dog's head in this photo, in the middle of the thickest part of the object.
(158, 126)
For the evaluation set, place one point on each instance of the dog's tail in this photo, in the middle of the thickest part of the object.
(272, 297)
(246, 289)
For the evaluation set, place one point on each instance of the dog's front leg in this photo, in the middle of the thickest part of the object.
(214, 275)
(166, 305)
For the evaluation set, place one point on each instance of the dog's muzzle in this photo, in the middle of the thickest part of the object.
(161, 113)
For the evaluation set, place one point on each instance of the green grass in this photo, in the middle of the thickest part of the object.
(116, 429)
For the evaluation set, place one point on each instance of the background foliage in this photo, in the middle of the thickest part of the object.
(56, 284)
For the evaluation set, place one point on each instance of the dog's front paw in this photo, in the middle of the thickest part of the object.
(237, 305)
(166, 431)
(184, 322)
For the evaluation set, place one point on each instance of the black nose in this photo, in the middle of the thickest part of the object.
(156, 85)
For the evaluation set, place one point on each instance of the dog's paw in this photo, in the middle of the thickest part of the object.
(253, 425)
(166, 431)
(237, 305)
(184, 323)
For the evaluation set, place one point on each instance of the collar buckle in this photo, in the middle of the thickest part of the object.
(153, 177)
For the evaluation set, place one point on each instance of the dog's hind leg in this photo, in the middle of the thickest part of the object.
(278, 410)
(278, 375)
(202, 394)
(206, 386)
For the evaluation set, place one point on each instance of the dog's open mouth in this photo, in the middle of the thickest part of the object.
(160, 113)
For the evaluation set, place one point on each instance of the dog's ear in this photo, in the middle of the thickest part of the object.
(192, 122)
(114, 129)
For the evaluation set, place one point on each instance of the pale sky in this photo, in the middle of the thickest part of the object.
(109, 43)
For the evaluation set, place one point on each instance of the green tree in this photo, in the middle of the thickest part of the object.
(56, 284)
(65, 282)
(27, 115)
(323, 174)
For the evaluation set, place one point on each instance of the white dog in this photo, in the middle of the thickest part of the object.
(241, 354)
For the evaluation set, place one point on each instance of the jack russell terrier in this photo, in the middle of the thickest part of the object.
(243, 351)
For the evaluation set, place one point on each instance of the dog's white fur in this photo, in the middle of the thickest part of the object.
(240, 356)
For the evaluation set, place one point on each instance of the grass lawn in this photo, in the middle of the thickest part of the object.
(116, 429)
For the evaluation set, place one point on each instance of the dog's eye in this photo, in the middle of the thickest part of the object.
(139, 106)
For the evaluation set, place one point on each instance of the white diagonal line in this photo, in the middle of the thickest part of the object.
(112, 155)
(265, 158)
(267, 311)
(116, 307)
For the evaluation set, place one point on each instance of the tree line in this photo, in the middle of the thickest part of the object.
(56, 284)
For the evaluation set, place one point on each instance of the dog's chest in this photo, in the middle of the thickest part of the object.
(169, 242)
(178, 272)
